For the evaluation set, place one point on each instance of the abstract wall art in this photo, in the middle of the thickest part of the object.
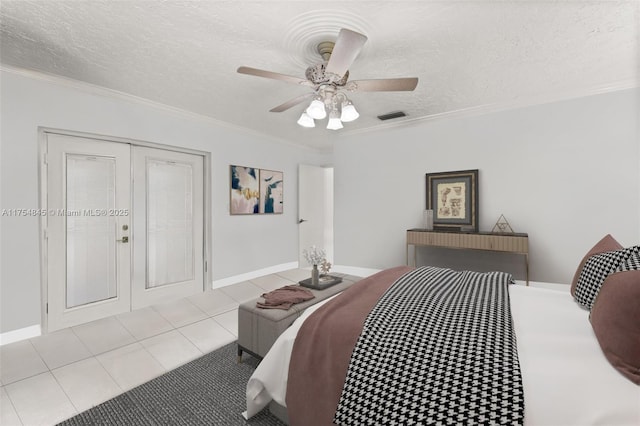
(256, 191)
(245, 190)
(271, 188)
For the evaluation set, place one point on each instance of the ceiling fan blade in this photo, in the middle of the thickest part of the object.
(292, 102)
(347, 47)
(384, 85)
(274, 75)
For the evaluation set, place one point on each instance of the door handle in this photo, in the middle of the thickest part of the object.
(124, 239)
(301, 220)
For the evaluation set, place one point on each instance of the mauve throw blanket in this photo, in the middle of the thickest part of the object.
(285, 297)
(311, 401)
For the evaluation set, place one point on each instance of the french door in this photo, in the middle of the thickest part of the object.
(167, 226)
(107, 254)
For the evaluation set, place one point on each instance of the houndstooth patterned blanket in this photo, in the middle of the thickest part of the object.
(438, 349)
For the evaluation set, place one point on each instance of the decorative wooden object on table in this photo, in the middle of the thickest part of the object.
(487, 241)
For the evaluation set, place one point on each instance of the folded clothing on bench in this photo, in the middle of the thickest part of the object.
(285, 297)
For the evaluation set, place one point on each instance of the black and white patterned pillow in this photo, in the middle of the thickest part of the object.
(598, 267)
(632, 262)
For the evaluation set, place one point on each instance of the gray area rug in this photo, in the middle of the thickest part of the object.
(207, 391)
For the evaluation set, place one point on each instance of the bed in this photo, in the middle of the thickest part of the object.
(565, 376)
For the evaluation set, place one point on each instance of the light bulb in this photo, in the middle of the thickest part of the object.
(349, 112)
(306, 121)
(316, 109)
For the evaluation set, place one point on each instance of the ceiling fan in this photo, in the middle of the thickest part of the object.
(328, 81)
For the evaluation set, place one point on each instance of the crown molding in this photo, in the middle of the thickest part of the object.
(126, 97)
(460, 113)
(506, 106)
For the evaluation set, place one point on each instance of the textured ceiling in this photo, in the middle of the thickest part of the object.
(468, 55)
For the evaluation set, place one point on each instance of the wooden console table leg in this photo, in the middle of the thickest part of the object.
(407, 254)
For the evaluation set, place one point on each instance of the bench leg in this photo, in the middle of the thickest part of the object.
(239, 354)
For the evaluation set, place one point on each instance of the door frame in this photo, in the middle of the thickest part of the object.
(43, 205)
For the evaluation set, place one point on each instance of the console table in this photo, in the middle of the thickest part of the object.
(488, 241)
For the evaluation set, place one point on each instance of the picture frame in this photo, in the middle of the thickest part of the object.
(271, 191)
(245, 190)
(255, 191)
(453, 197)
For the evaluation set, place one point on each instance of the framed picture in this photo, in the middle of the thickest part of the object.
(271, 189)
(245, 190)
(453, 197)
(256, 191)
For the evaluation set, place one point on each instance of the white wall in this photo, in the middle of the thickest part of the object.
(566, 173)
(241, 244)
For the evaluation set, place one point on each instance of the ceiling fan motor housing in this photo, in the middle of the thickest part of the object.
(317, 75)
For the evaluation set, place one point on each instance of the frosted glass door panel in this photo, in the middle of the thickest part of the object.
(168, 227)
(91, 231)
(170, 251)
(88, 255)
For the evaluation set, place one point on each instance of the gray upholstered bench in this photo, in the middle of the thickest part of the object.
(259, 328)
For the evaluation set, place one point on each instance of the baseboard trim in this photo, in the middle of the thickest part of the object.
(355, 270)
(20, 334)
(253, 274)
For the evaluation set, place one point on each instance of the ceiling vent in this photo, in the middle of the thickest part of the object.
(392, 115)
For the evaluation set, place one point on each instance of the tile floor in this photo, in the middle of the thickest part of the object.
(49, 378)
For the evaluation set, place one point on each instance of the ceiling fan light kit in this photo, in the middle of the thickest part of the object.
(329, 79)
(329, 99)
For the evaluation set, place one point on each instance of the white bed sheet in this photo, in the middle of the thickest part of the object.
(567, 379)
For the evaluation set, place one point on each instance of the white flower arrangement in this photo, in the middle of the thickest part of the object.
(314, 255)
